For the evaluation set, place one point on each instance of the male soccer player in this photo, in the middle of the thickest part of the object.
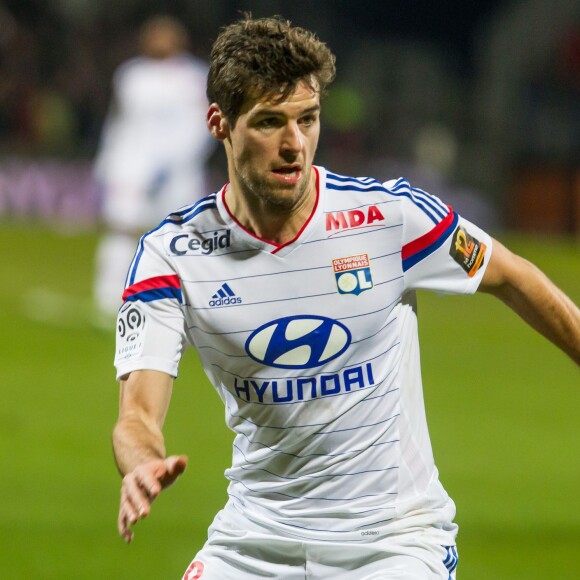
(297, 287)
(153, 150)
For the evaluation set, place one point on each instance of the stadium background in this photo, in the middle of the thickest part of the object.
(479, 103)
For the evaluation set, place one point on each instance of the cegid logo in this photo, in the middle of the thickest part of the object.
(188, 244)
(298, 342)
(354, 218)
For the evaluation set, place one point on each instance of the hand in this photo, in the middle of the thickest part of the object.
(141, 486)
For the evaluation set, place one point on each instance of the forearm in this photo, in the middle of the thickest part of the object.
(136, 442)
(143, 404)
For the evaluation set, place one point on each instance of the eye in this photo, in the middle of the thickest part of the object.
(268, 123)
(308, 120)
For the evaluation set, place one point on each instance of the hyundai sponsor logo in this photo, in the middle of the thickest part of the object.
(298, 342)
(281, 391)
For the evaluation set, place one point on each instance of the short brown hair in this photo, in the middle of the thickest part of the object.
(253, 58)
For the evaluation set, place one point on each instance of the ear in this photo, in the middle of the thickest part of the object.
(217, 124)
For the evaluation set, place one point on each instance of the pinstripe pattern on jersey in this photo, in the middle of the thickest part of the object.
(328, 499)
(373, 433)
(306, 455)
(330, 440)
(179, 217)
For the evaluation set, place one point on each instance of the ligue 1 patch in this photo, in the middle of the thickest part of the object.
(130, 331)
(353, 274)
(467, 251)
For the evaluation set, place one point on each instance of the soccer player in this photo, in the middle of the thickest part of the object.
(154, 148)
(296, 285)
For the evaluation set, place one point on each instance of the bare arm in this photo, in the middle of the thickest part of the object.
(139, 447)
(537, 300)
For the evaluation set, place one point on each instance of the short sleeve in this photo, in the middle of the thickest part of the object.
(150, 324)
(441, 251)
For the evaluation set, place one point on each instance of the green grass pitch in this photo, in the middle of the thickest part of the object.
(502, 403)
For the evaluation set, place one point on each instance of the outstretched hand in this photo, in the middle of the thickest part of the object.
(141, 487)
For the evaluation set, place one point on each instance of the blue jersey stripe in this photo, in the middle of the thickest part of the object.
(451, 560)
(431, 202)
(155, 294)
(403, 189)
(416, 258)
(344, 178)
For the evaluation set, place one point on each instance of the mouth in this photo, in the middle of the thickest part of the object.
(288, 173)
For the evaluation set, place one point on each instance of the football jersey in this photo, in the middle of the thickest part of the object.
(155, 141)
(312, 346)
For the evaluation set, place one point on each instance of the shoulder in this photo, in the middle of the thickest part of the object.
(199, 215)
(158, 247)
(339, 182)
(394, 188)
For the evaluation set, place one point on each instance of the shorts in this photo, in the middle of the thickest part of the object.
(247, 554)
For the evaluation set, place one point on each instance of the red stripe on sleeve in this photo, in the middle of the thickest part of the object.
(427, 239)
(152, 283)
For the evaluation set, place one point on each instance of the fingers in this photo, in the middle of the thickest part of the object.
(175, 466)
(142, 486)
(135, 505)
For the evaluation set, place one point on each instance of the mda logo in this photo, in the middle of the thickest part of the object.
(353, 219)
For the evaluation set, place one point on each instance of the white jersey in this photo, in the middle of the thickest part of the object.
(313, 348)
(155, 141)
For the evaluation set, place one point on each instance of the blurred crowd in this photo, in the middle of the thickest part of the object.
(470, 116)
(55, 79)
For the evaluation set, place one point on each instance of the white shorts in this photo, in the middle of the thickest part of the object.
(247, 554)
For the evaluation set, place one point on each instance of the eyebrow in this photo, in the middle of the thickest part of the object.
(278, 113)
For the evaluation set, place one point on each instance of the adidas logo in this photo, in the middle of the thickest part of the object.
(224, 296)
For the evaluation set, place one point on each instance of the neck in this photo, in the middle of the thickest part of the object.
(275, 223)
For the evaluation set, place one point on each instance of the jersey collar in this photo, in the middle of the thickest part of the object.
(268, 245)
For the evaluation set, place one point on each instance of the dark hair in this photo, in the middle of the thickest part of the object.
(267, 56)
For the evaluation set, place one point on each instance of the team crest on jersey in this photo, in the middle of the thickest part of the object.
(467, 251)
(339, 221)
(353, 274)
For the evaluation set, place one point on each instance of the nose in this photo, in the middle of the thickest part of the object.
(292, 139)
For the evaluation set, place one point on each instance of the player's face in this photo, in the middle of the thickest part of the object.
(272, 146)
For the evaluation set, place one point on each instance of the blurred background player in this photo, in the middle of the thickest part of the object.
(154, 148)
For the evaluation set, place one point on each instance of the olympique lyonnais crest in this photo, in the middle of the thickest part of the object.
(353, 274)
